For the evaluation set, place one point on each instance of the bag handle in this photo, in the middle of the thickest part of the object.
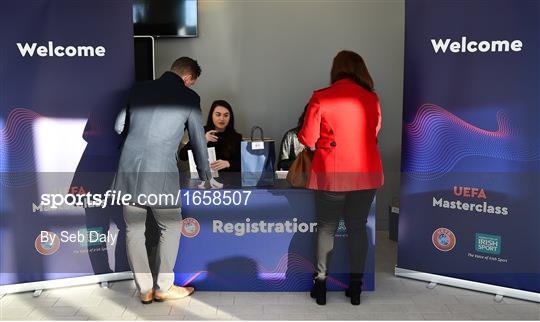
(253, 129)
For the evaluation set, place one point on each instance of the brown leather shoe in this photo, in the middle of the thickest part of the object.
(146, 298)
(174, 293)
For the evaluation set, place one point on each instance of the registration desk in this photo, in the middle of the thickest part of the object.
(254, 239)
(237, 239)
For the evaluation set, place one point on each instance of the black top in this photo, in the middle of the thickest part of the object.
(227, 148)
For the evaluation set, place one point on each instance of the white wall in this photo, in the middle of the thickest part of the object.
(266, 58)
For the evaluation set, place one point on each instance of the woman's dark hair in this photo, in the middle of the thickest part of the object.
(210, 123)
(231, 138)
(348, 64)
(301, 118)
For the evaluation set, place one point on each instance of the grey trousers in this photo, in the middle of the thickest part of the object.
(331, 207)
(158, 274)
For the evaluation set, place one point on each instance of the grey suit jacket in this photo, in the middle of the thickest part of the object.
(153, 124)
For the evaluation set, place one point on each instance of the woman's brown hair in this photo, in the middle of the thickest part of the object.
(348, 64)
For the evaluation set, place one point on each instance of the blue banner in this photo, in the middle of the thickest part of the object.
(259, 240)
(65, 67)
(471, 142)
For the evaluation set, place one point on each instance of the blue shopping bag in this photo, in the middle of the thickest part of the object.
(258, 157)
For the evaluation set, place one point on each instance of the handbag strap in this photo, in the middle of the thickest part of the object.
(253, 129)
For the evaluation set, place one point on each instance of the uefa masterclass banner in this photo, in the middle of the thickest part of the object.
(65, 67)
(470, 182)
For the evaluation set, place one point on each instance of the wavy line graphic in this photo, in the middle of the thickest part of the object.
(292, 263)
(3, 166)
(16, 142)
(436, 140)
(193, 277)
(289, 264)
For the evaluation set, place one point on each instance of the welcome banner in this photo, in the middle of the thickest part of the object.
(471, 142)
(65, 67)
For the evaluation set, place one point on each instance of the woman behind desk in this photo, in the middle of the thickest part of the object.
(342, 123)
(290, 146)
(221, 134)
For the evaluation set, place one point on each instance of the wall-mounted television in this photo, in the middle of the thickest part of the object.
(165, 18)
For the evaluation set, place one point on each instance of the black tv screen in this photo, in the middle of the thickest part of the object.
(165, 18)
(144, 58)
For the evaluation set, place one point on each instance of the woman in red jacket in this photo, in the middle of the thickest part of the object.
(341, 124)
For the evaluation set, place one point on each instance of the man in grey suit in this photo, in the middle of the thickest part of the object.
(153, 123)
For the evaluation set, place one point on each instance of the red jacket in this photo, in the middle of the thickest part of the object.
(342, 121)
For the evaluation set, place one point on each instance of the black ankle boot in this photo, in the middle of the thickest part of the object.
(355, 289)
(318, 292)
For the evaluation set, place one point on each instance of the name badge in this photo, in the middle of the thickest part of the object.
(257, 145)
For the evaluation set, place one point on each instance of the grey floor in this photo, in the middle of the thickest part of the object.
(394, 299)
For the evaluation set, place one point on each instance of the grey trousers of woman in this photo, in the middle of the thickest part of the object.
(354, 207)
(169, 222)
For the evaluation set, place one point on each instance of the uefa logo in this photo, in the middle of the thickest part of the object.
(190, 227)
(443, 239)
(49, 246)
(341, 230)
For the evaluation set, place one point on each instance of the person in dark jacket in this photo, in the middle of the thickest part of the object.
(221, 134)
(147, 167)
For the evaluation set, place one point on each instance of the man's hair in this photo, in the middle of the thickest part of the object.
(186, 65)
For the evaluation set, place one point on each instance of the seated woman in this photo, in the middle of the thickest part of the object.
(221, 134)
(290, 146)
